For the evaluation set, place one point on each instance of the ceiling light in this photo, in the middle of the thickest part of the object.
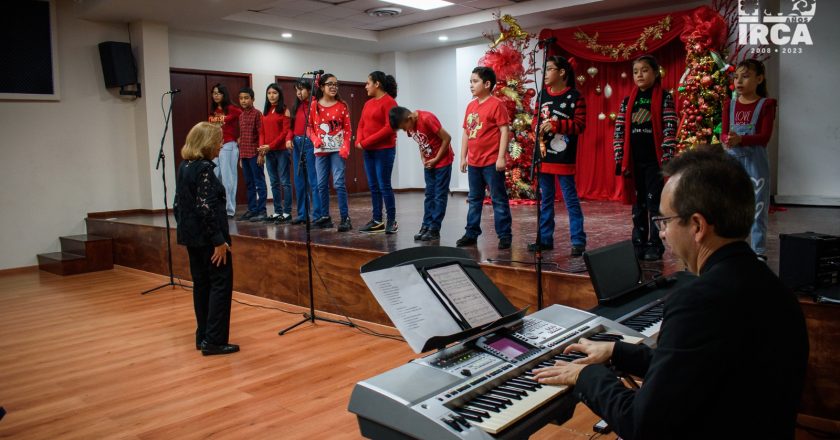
(286, 35)
(443, 38)
(420, 4)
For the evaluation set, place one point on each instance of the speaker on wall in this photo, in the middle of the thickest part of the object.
(118, 66)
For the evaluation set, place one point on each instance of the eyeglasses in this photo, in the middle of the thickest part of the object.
(551, 68)
(332, 85)
(662, 222)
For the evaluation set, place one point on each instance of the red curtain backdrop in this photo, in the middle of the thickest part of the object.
(595, 177)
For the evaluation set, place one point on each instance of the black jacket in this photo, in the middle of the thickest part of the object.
(730, 360)
(200, 205)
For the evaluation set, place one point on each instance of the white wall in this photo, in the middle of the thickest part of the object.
(809, 126)
(64, 159)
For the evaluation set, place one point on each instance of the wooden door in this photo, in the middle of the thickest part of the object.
(354, 95)
(193, 105)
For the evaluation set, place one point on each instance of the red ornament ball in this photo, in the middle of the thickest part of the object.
(706, 81)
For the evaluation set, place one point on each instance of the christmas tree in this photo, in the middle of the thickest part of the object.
(705, 83)
(506, 57)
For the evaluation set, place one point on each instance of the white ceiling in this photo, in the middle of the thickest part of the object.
(343, 24)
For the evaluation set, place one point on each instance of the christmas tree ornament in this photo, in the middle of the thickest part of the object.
(608, 91)
(581, 79)
(623, 75)
(613, 116)
(601, 116)
(592, 71)
(598, 89)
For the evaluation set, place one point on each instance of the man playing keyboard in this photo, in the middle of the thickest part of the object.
(732, 351)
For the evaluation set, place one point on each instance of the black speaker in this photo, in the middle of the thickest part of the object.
(809, 261)
(118, 66)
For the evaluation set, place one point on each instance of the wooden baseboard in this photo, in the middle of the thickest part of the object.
(17, 270)
(125, 212)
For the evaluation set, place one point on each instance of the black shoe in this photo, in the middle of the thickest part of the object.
(282, 219)
(259, 217)
(246, 216)
(345, 225)
(430, 235)
(272, 218)
(299, 221)
(391, 227)
(212, 349)
(198, 345)
(653, 254)
(419, 235)
(504, 243)
(373, 227)
(543, 247)
(466, 241)
(323, 222)
(577, 250)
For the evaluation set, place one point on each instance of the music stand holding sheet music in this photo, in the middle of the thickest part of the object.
(437, 295)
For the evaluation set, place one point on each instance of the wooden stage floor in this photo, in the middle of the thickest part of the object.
(270, 260)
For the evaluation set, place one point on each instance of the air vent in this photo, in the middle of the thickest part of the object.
(384, 12)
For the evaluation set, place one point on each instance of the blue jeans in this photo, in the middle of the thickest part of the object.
(255, 183)
(301, 144)
(755, 161)
(437, 190)
(279, 173)
(378, 167)
(226, 171)
(331, 163)
(570, 196)
(479, 179)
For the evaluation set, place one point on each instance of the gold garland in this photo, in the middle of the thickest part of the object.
(623, 51)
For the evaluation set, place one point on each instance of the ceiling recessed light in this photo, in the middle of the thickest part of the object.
(443, 38)
(286, 35)
(420, 4)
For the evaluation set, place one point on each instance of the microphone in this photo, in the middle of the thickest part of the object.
(549, 40)
(315, 72)
(173, 91)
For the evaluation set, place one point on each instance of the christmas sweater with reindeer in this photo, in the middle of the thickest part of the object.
(566, 110)
(330, 128)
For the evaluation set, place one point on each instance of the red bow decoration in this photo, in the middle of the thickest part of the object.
(704, 30)
(505, 61)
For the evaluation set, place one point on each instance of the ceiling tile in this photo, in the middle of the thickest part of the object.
(337, 11)
(364, 5)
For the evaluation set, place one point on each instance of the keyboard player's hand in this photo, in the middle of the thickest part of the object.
(596, 352)
(563, 373)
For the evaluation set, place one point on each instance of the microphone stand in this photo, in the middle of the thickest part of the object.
(536, 173)
(310, 316)
(161, 164)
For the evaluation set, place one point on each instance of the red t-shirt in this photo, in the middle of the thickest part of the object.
(374, 132)
(229, 122)
(426, 135)
(274, 130)
(482, 122)
(743, 115)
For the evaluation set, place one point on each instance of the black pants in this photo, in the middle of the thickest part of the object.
(212, 294)
(649, 182)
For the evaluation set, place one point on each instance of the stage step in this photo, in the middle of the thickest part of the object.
(79, 254)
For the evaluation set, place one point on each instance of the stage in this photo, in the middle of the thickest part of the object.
(270, 260)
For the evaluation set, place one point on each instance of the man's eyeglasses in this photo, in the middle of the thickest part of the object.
(332, 85)
(662, 222)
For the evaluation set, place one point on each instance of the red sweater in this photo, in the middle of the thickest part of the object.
(229, 122)
(300, 120)
(274, 130)
(374, 131)
(330, 129)
(743, 114)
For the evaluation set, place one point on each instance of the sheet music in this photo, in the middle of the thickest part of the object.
(410, 304)
(464, 294)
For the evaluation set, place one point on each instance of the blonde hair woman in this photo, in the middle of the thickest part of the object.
(203, 229)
